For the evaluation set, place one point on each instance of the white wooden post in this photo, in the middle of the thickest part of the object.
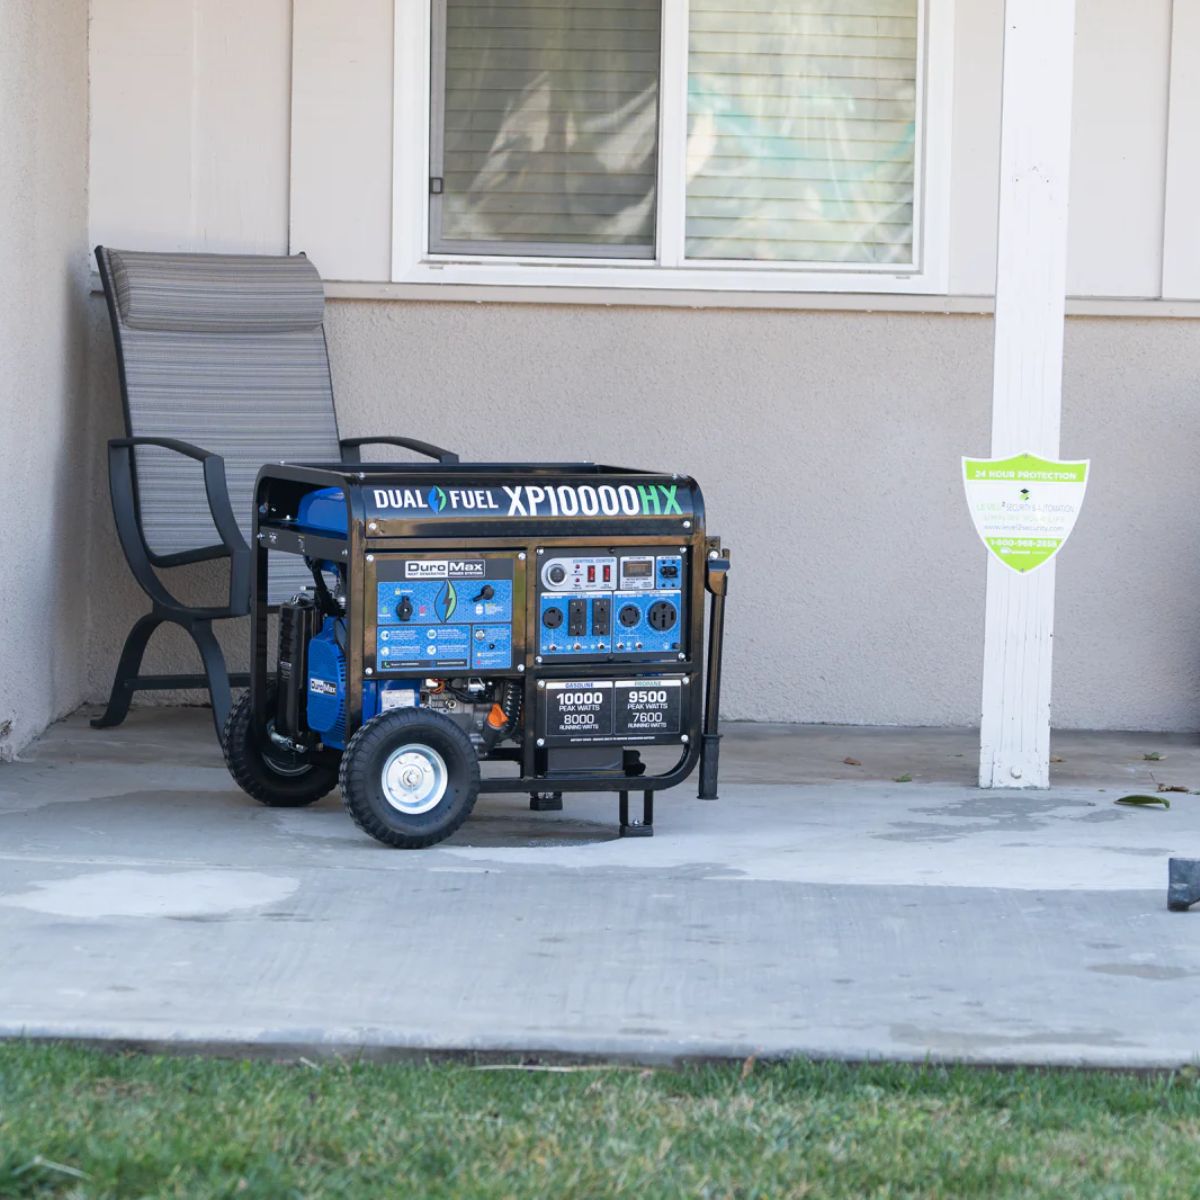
(1031, 268)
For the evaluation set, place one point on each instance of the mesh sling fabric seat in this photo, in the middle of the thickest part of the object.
(223, 366)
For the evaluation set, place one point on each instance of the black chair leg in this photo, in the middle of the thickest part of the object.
(215, 671)
(128, 666)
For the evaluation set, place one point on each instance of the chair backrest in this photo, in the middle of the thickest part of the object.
(226, 351)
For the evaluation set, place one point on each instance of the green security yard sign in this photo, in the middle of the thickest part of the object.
(1024, 507)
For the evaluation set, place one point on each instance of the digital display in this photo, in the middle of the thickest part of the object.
(637, 569)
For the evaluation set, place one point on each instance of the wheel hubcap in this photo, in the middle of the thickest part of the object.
(414, 779)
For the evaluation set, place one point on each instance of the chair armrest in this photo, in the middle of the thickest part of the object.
(351, 455)
(216, 488)
(180, 447)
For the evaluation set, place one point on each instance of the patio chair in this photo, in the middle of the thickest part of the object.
(223, 366)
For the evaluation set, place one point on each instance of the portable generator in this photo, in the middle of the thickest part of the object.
(549, 619)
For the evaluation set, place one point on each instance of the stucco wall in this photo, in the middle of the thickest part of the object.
(1127, 625)
(45, 447)
(827, 445)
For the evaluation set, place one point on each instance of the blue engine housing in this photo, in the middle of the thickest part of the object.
(323, 511)
(326, 687)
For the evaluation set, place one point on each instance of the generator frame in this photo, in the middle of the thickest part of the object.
(280, 488)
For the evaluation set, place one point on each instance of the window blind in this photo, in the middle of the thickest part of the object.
(801, 130)
(545, 116)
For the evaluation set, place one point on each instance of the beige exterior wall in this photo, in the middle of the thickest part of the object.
(827, 445)
(45, 450)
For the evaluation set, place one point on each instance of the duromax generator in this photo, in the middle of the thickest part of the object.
(546, 617)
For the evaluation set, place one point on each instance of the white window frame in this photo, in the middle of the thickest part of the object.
(412, 263)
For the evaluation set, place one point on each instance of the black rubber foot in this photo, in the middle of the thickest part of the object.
(710, 756)
(545, 802)
(637, 830)
(642, 828)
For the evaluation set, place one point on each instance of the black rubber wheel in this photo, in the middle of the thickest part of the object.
(409, 778)
(269, 774)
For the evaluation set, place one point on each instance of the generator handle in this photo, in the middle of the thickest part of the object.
(351, 457)
(717, 582)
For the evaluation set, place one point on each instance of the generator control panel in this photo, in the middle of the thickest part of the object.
(628, 604)
(437, 612)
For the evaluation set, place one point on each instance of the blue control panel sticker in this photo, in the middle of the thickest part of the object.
(647, 622)
(424, 646)
(421, 602)
(576, 623)
(437, 613)
(610, 622)
(669, 571)
(491, 647)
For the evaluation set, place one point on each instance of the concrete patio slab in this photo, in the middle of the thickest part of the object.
(820, 908)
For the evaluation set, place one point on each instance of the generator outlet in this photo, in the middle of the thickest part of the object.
(662, 615)
(601, 617)
(577, 617)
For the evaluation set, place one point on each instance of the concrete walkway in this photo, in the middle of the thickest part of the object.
(818, 908)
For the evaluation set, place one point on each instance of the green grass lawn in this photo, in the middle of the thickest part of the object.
(78, 1123)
